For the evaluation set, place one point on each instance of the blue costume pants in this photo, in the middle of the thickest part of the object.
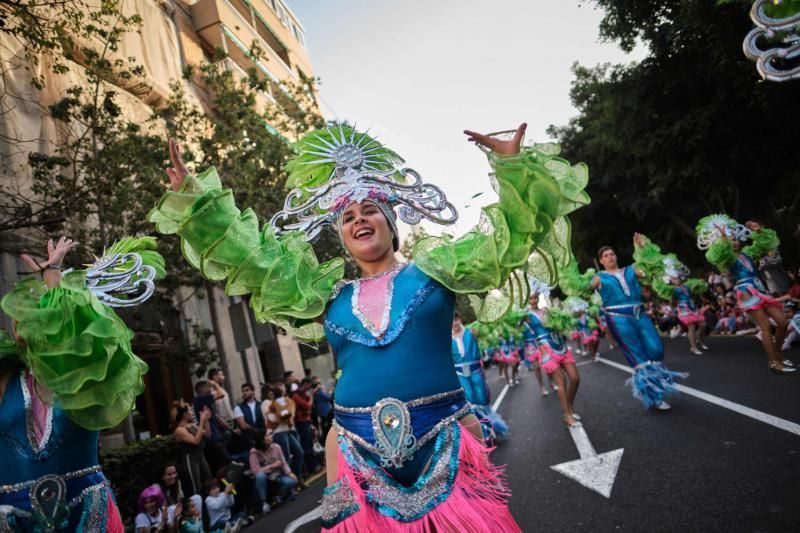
(636, 336)
(475, 388)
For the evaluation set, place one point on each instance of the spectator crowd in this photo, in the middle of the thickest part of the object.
(237, 459)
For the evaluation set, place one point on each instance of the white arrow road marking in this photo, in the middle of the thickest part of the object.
(310, 516)
(316, 513)
(594, 471)
(780, 423)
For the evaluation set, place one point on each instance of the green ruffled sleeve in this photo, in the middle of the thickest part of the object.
(574, 283)
(287, 284)
(78, 348)
(721, 254)
(560, 320)
(537, 190)
(763, 242)
(696, 286)
(649, 260)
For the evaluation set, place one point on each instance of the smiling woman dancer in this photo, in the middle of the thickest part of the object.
(405, 454)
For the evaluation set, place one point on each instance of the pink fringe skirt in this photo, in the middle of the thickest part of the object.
(748, 298)
(552, 361)
(531, 352)
(461, 492)
(594, 336)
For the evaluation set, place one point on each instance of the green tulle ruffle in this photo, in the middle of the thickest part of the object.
(762, 242)
(288, 286)
(574, 283)
(559, 320)
(527, 230)
(78, 348)
(721, 254)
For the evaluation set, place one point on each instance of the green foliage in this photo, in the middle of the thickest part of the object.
(135, 466)
(688, 131)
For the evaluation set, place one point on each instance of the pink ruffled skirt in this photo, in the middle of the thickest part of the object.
(551, 360)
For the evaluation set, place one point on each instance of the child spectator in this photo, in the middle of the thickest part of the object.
(152, 517)
(190, 520)
(219, 503)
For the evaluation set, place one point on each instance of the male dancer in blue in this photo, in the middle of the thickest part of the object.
(632, 329)
(467, 360)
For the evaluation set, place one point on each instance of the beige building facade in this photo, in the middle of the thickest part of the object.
(173, 35)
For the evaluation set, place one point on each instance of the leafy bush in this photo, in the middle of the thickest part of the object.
(136, 465)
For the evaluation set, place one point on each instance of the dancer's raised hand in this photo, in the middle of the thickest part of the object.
(638, 240)
(752, 225)
(497, 145)
(55, 254)
(178, 171)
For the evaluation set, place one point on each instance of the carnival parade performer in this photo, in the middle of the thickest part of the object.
(632, 329)
(546, 327)
(669, 278)
(68, 372)
(586, 330)
(721, 237)
(467, 360)
(406, 453)
(531, 347)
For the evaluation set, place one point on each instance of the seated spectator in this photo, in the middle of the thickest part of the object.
(152, 515)
(173, 492)
(219, 503)
(268, 464)
(190, 438)
(190, 520)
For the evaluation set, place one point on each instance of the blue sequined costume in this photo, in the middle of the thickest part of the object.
(467, 361)
(636, 336)
(80, 493)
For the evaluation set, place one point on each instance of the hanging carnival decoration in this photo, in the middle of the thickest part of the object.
(774, 44)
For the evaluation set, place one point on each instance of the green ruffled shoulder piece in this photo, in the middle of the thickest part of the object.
(721, 254)
(696, 285)
(763, 241)
(560, 320)
(287, 284)
(649, 259)
(574, 283)
(527, 230)
(78, 348)
(9, 349)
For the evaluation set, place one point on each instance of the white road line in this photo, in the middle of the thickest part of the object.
(500, 397)
(584, 363)
(310, 516)
(775, 421)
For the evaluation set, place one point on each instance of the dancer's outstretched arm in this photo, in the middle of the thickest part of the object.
(288, 286)
(537, 190)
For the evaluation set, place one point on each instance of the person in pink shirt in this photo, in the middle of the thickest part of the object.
(268, 464)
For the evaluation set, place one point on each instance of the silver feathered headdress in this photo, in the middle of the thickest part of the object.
(339, 165)
(709, 230)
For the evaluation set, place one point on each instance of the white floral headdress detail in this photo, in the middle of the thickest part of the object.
(673, 268)
(708, 230)
(339, 165)
(574, 304)
(538, 286)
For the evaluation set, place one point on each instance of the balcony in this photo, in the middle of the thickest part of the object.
(233, 26)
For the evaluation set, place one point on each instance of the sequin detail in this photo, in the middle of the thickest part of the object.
(395, 328)
(70, 475)
(378, 330)
(424, 400)
(338, 502)
(406, 504)
(94, 514)
(37, 445)
(394, 436)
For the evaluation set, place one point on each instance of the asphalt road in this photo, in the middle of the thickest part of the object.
(698, 467)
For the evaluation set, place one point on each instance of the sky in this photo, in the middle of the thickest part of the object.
(419, 72)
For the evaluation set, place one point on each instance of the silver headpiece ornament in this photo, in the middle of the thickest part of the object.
(774, 44)
(708, 230)
(674, 269)
(120, 279)
(360, 169)
(538, 286)
(573, 304)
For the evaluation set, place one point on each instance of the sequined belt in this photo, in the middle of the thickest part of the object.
(48, 500)
(467, 369)
(634, 310)
(394, 430)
